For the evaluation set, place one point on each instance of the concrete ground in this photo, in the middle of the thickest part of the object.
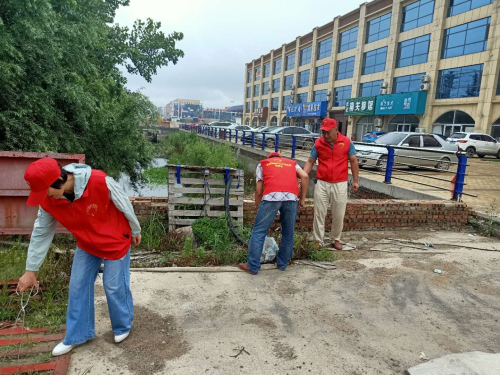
(379, 312)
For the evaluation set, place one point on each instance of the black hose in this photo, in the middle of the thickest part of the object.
(228, 213)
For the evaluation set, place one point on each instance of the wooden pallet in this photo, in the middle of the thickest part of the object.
(196, 200)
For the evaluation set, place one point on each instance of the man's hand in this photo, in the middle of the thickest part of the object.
(302, 203)
(355, 186)
(136, 241)
(26, 281)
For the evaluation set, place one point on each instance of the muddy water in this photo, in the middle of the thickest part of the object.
(148, 190)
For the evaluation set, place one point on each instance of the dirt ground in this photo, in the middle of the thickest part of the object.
(379, 312)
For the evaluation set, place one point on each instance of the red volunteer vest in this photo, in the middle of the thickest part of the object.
(99, 228)
(333, 163)
(280, 175)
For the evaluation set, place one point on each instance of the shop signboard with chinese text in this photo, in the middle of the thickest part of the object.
(315, 109)
(411, 103)
(261, 112)
(361, 106)
(294, 110)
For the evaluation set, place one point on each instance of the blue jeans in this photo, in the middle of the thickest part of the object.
(80, 317)
(263, 221)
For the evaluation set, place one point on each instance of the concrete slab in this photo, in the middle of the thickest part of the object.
(471, 363)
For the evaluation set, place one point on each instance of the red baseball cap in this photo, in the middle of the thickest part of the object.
(328, 124)
(274, 154)
(39, 176)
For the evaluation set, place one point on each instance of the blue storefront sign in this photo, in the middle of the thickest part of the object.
(411, 103)
(312, 109)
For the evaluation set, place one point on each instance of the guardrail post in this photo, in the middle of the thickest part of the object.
(390, 163)
(230, 135)
(243, 138)
(276, 143)
(236, 137)
(460, 177)
(263, 141)
(294, 145)
(253, 139)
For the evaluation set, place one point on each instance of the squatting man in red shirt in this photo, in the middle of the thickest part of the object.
(333, 152)
(277, 191)
(94, 208)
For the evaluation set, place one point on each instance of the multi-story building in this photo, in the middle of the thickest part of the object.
(161, 111)
(428, 65)
(182, 108)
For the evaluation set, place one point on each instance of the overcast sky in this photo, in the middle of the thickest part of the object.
(220, 36)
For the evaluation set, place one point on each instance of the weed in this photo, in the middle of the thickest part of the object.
(153, 230)
(322, 255)
(157, 175)
(188, 247)
(488, 227)
(302, 246)
(200, 252)
(172, 242)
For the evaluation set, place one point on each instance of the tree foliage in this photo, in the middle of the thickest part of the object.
(61, 88)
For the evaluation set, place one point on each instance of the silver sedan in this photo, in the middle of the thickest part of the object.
(420, 146)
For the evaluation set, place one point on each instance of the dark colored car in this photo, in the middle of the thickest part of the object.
(372, 136)
(304, 137)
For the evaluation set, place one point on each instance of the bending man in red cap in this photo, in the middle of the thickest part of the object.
(94, 208)
(333, 152)
(277, 191)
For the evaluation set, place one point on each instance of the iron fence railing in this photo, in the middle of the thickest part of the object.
(384, 160)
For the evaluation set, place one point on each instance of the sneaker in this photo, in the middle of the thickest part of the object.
(120, 338)
(61, 349)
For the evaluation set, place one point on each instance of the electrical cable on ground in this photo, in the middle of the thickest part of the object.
(228, 213)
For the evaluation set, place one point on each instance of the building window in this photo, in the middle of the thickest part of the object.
(459, 82)
(257, 73)
(498, 86)
(302, 98)
(348, 39)
(370, 88)
(345, 68)
(286, 101)
(255, 104)
(256, 90)
(465, 39)
(288, 82)
(277, 66)
(374, 61)
(267, 70)
(265, 88)
(305, 55)
(322, 74)
(264, 103)
(249, 77)
(417, 14)
(304, 78)
(378, 28)
(276, 85)
(274, 121)
(290, 61)
(247, 107)
(324, 48)
(341, 95)
(413, 51)
(460, 6)
(319, 96)
(275, 104)
(406, 84)
(249, 92)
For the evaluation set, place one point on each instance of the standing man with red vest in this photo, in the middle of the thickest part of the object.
(94, 208)
(277, 191)
(333, 152)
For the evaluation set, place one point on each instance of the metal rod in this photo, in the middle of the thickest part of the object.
(408, 148)
(426, 176)
(276, 143)
(294, 146)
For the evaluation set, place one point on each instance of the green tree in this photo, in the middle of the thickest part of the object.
(61, 87)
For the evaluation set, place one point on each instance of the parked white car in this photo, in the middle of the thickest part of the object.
(476, 143)
(372, 156)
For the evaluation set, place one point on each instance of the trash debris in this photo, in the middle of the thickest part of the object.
(423, 357)
(437, 270)
(471, 235)
(430, 244)
(241, 350)
(270, 250)
(323, 265)
(470, 363)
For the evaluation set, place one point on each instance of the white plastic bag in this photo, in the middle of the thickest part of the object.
(269, 251)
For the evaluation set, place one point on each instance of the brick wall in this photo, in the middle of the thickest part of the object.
(388, 214)
(360, 213)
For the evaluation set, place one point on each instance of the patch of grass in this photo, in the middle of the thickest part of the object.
(302, 246)
(322, 255)
(157, 175)
(48, 308)
(153, 230)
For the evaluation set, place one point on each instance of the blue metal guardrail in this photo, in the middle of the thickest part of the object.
(385, 164)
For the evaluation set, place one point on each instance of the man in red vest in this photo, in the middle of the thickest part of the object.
(94, 208)
(277, 191)
(333, 152)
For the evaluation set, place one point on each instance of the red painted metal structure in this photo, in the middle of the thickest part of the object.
(15, 216)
